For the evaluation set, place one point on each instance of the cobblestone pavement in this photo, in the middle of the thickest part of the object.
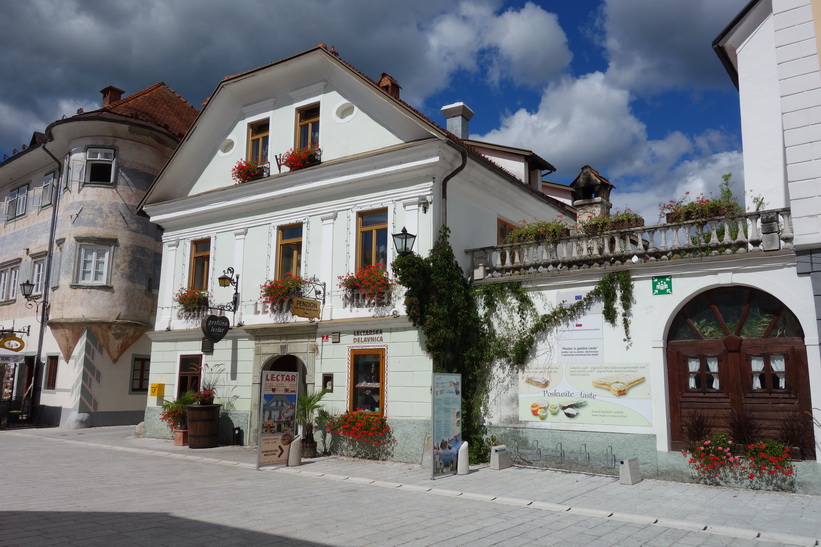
(102, 487)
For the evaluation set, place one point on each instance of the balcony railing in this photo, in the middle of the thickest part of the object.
(757, 232)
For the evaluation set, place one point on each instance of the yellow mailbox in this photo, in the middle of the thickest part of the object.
(157, 390)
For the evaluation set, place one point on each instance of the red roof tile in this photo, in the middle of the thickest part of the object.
(158, 105)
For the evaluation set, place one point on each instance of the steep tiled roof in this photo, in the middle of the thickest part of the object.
(158, 105)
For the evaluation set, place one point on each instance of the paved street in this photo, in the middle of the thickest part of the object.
(102, 487)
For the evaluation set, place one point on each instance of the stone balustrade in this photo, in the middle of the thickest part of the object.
(755, 232)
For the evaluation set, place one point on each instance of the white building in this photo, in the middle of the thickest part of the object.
(383, 167)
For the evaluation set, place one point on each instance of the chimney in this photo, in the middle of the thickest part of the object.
(458, 115)
(390, 85)
(111, 94)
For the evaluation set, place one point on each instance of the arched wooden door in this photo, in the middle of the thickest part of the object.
(739, 350)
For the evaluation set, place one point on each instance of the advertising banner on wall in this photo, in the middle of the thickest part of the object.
(277, 413)
(447, 423)
(580, 386)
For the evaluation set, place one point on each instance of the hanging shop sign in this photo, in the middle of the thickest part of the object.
(12, 343)
(447, 423)
(277, 416)
(215, 327)
(305, 307)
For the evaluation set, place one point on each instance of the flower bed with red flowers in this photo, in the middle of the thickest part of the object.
(371, 281)
(367, 434)
(764, 466)
(298, 158)
(245, 171)
(277, 290)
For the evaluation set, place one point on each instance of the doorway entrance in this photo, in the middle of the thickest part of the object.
(737, 356)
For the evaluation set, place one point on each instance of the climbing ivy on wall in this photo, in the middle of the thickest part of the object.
(468, 330)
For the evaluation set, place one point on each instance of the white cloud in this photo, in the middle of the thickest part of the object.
(654, 45)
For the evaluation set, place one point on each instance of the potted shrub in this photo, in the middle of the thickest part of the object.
(277, 291)
(174, 414)
(246, 171)
(299, 158)
(372, 282)
(623, 220)
(203, 415)
(538, 232)
(363, 434)
(307, 407)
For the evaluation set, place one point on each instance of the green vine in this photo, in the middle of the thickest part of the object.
(468, 330)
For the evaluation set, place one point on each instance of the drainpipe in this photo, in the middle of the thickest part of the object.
(57, 189)
(464, 154)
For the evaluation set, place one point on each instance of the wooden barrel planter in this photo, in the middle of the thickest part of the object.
(203, 426)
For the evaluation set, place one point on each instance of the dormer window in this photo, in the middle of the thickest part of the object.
(307, 126)
(99, 166)
(258, 141)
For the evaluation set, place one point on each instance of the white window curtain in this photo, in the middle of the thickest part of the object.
(712, 367)
(693, 366)
(757, 366)
(778, 364)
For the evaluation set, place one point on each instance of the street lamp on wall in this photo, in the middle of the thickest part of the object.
(403, 241)
(228, 279)
(40, 307)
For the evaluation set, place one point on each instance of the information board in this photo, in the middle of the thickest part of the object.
(447, 423)
(277, 416)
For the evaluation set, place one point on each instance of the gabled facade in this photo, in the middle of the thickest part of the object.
(70, 228)
(382, 167)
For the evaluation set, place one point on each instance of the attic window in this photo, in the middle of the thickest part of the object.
(258, 141)
(307, 129)
(99, 166)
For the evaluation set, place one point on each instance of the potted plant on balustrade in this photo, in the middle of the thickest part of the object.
(191, 301)
(203, 415)
(299, 158)
(278, 292)
(620, 220)
(543, 231)
(703, 206)
(307, 407)
(369, 282)
(246, 171)
(174, 414)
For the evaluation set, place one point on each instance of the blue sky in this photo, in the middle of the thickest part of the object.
(631, 87)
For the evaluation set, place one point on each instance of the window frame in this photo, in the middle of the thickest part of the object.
(38, 275)
(354, 379)
(260, 142)
(193, 262)
(47, 189)
(312, 134)
(192, 376)
(17, 204)
(93, 247)
(9, 276)
(297, 253)
(374, 229)
(98, 155)
(503, 230)
(144, 370)
(50, 380)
